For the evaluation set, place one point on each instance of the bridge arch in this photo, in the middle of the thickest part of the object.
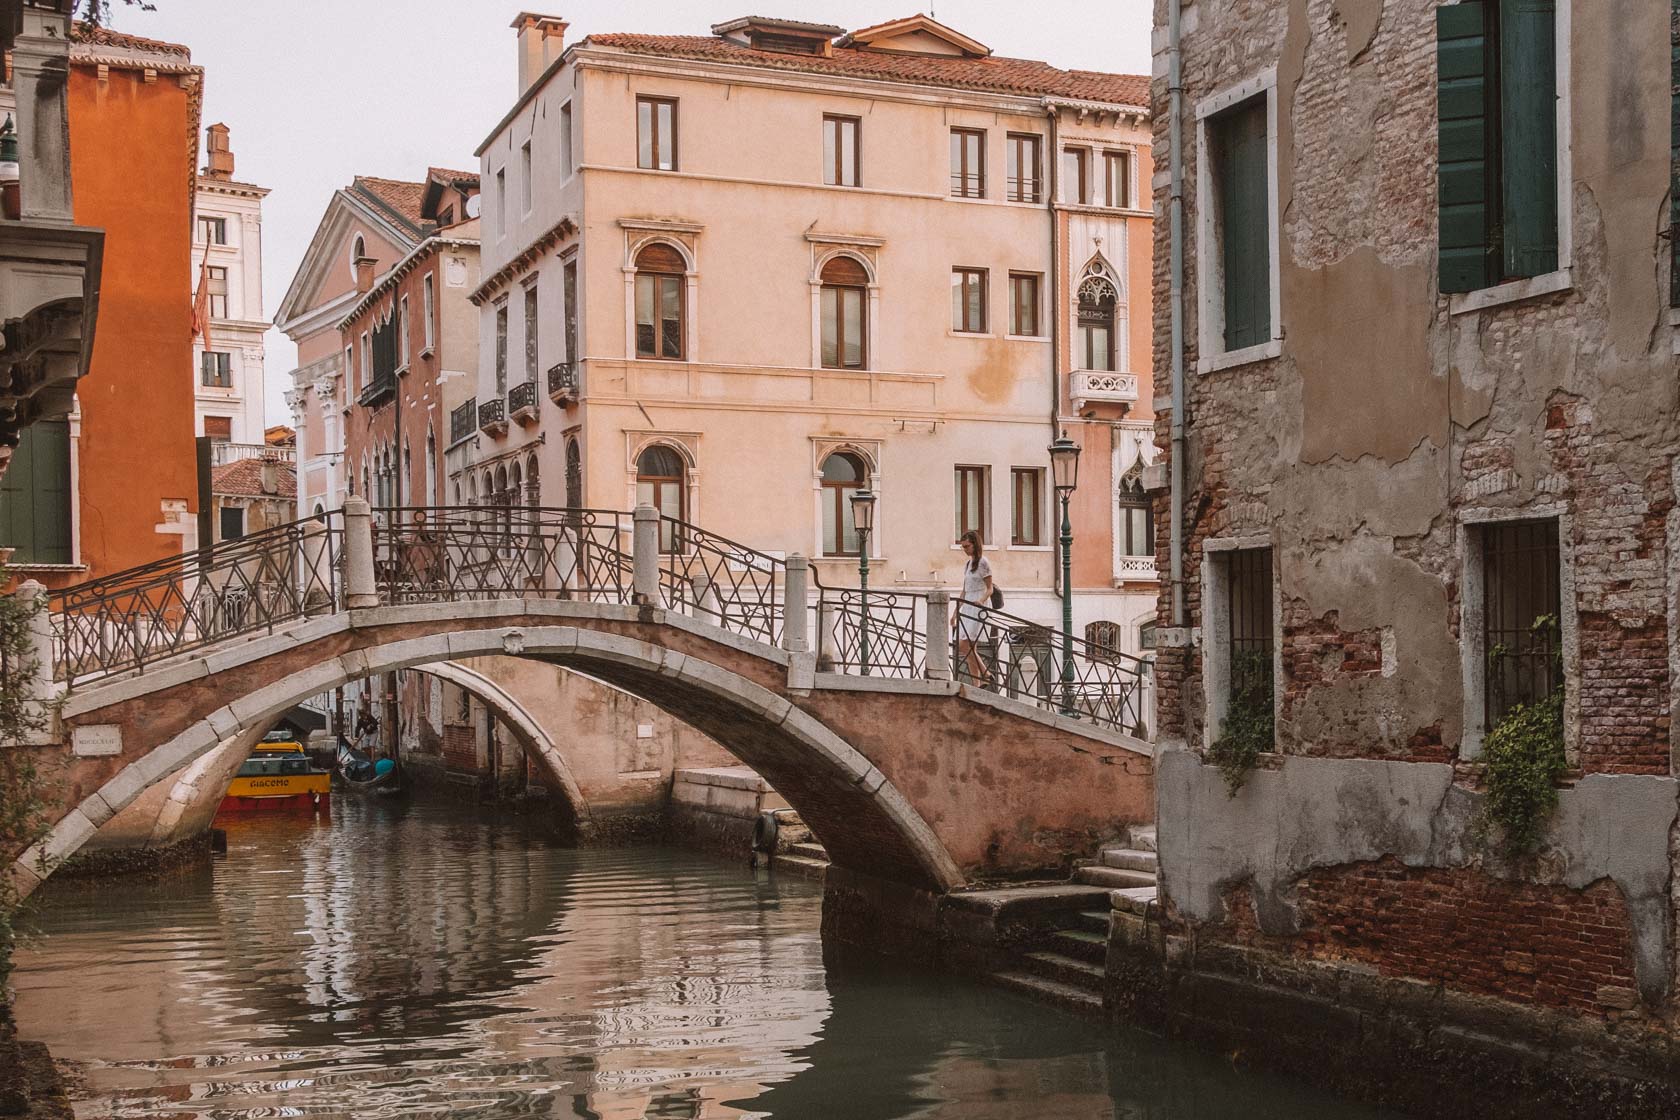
(862, 818)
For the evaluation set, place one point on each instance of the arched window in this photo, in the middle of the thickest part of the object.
(1103, 637)
(358, 250)
(660, 484)
(504, 512)
(1137, 521)
(431, 490)
(574, 475)
(845, 314)
(843, 474)
(659, 302)
(1097, 299)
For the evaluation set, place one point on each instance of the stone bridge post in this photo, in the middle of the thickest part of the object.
(644, 553)
(938, 635)
(795, 591)
(38, 650)
(360, 588)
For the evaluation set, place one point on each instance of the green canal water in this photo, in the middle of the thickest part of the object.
(417, 961)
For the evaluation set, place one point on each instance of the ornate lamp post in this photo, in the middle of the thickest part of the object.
(863, 520)
(1064, 469)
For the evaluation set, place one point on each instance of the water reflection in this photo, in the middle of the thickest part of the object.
(417, 961)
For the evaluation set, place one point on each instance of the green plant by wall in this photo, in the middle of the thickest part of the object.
(1525, 761)
(1249, 729)
(22, 808)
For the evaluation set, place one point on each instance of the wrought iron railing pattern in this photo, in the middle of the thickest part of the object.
(492, 415)
(498, 551)
(133, 618)
(463, 420)
(522, 397)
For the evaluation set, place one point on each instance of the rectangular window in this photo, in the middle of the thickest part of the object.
(973, 498)
(1028, 520)
(569, 274)
(1522, 607)
(1248, 647)
(215, 369)
(233, 523)
(1498, 98)
(402, 332)
(501, 200)
(365, 373)
(213, 231)
(1021, 167)
(968, 300)
(656, 133)
(565, 141)
(1076, 178)
(525, 177)
(218, 292)
(1241, 177)
(35, 498)
(428, 307)
(842, 327)
(968, 162)
(659, 315)
(840, 151)
(1023, 303)
(531, 331)
(501, 348)
(1117, 179)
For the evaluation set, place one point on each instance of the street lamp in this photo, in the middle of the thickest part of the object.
(863, 520)
(1064, 470)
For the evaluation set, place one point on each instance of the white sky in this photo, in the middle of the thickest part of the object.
(318, 91)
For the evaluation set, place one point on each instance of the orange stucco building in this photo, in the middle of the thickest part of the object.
(130, 495)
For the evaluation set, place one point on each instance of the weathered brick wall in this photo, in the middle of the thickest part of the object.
(1389, 421)
(1544, 945)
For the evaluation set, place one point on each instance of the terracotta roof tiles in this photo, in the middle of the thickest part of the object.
(89, 35)
(242, 478)
(1001, 75)
(397, 196)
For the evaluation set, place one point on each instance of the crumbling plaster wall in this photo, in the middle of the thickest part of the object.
(1386, 413)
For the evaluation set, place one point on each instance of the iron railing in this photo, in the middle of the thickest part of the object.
(463, 420)
(523, 397)
(1034, 662)
(133, 618)
(563, 381)
(450, 553)
(883, 634)
(725, 583)
(492, 415)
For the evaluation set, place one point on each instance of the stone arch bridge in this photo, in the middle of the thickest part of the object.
(913, 781)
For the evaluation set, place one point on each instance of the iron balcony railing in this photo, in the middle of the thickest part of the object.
(463, 420)
(492, 416)
(522, 398)
(563, 381)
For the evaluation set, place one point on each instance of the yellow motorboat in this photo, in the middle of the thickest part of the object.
(278, 775)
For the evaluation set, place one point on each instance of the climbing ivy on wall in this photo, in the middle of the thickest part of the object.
(22, 809)
(1248, 730)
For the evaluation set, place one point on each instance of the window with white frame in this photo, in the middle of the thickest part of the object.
(565, 141)
(402, 332)
(1516, 618)
(501, 347)
(525, 177)
(501, 200)
(428, 307)
(531, 331)
(1237, 226)
(1239, 638)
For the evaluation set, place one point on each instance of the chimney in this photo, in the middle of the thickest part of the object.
(270, 477)
(364, 274)
(541, 39)
(218, 157)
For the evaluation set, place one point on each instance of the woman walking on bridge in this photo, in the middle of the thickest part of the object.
(967, 624)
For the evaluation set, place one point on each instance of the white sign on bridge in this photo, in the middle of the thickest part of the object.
(96, 740)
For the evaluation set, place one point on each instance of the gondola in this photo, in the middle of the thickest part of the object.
(357, 773)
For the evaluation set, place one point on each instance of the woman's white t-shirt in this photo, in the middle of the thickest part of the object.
(975, 576)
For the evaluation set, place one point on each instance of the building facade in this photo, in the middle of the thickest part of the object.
(1428, 439)
(743, 275)
(227, 261)
(114, 484)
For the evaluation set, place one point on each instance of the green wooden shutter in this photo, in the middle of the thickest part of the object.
(1245, 233)
(1461, 52)
(1528, 135)
(35, 495)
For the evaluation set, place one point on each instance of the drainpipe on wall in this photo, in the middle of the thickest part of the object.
(1175, 95)
(1053, 191)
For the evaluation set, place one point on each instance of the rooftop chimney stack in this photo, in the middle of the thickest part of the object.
(218, 161)
(364, 274)
(541, 39)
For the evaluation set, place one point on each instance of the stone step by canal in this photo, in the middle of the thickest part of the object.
(808, 850)
(804, 856)
(1129, 859)
(1069, 997)
(1099, 875)
(1133, 900)
(1079, 944)
(1143, 836)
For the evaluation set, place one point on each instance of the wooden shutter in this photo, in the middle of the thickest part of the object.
(1246, 234)
(1461, 52)
(1528, 135)
(35, 495)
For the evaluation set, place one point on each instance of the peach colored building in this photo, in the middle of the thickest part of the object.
(750, 271)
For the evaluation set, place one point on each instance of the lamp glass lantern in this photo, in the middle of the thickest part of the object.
(863, 511)
(1064, 464)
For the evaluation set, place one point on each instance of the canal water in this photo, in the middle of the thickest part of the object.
(419, 961)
